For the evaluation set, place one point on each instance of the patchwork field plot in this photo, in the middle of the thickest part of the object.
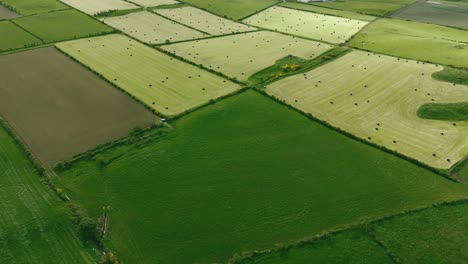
(377, 98)
(405, 38)
(163, 83)
(151, 3)
(73, 109)
(349, 247)
(447, 13)
(243, 174)
(62, 25)
(29, 7)
(14, 37)
(306, 24)
(327, 11)
(35, 226)
(242, 55)
(436, 235)
(372, 7)
(5, 13)
(233, 9)
(94, 7)
(204, 21)
(151, 28)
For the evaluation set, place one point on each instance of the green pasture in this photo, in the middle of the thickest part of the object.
(242, 174)
(29, 7)
(241, 55)
(450, 112)
(14, 37)
(161, 82)
(204, 21)
(376, 98)
(452, 75)
(94, 7)
(327, 11)
(370, 7)
(234, 9)
(62, 25)
(414, 40)
(151, 3)
(305, 24)
(151, 28)
(35, 226)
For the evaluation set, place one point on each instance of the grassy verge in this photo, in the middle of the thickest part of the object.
(114, 13)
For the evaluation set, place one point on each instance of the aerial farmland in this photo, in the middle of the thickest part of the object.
(238, 132)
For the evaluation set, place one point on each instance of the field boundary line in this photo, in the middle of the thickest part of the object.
(358, 225)
(261, 10)
(175, 21)
(27, 31)
(208, 37)
(359, 31)
(310, 11)
(391, 255)
(362, 13)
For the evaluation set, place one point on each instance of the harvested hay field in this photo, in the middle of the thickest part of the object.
(62, 25)
(152, 29)
(239, 56)
(30, 7)
(6, 13)
(376, 98)
(248, 169)
(400, 38)
(36, 227)
(446, 13)
(93, 7)
(327, 28)
(14, 37)
(236, 10)
(204, 21)
(151, 3)
(165, 84)
(327, 11)
(74, 110)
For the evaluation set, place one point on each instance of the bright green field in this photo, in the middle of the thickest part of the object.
(327, 11)
(376, 97)
(371, 7)
(94, 7)
(203, 20)
(414, 40)
(243, 174)
(151, 28)
(436, 235)
(305, 24)
(241, 55)
(353, 246)
(163, 83)
(14, 37)
(62, 25)
(234, 9)
(29, 7)
(35, 227)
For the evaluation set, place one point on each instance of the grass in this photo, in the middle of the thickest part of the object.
(62, 25)
(234, 9)
(152, 29)
(452, 75)
(74, 109)
(353, 246)
(243, 174)
(93, 7)
(163, 83)
(405, 38)
(376, 98)
(204, 21)
(35, 226)
(436, 235)
(30, 7)
(327, 28)
(239, 56)
(447, 13)
(449, 112)
(371, 7)
(293, 65)
(14, 37)
(327, 11)
(152, 3)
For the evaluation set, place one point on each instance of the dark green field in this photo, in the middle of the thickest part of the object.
(62, 25)
(14, 37)
(370, 7)
(29, 7)
(447, 13)
(35, 227)
(234, 9)
(243, 174)
(449, 112)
